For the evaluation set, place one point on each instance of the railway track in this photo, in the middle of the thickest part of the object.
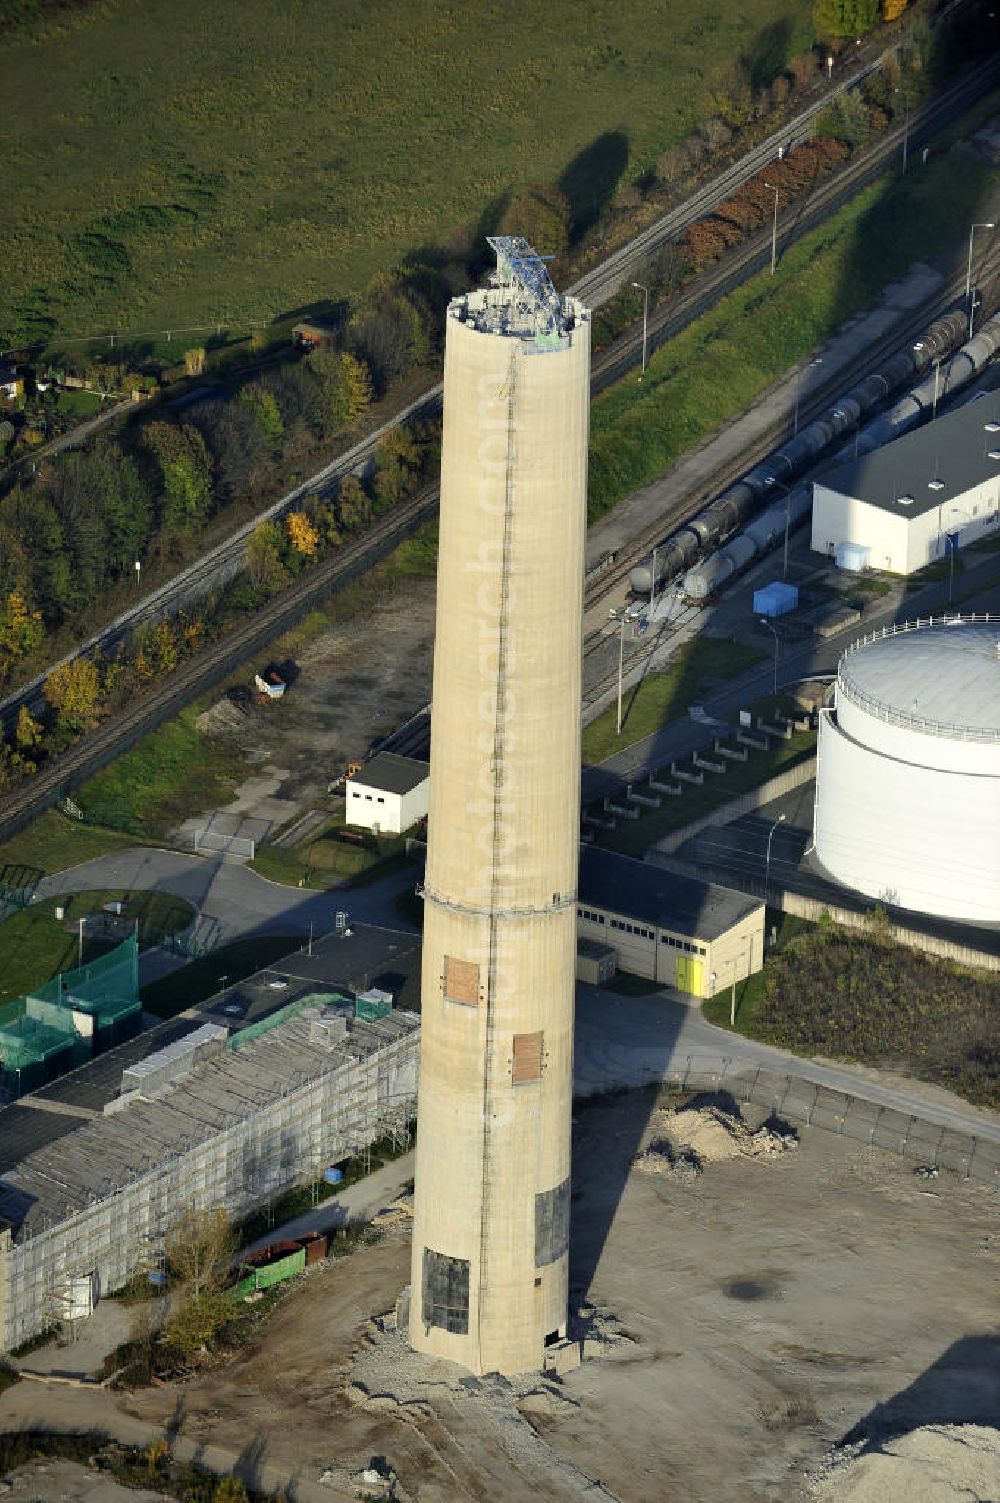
(595, 287)
(192, 679)
(116, 735)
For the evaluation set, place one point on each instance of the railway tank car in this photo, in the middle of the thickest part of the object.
(707, 578)
(679, 552)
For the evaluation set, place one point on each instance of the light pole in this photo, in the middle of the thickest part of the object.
(937, 376)
(621, 661)
(645, 322)
(652, 587)
(774, 633)
(985, 224)
(767, 859)
(906, 122)
(138, 573)
(774, 228)
(798, 391)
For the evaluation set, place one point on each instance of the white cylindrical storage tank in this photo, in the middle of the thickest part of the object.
(908, 769)
(490, 1239)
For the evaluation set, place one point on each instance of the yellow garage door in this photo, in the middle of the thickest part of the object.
(689, 975)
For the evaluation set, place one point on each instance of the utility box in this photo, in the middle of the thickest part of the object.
(595, 963)
(852, 556)
(775, 599)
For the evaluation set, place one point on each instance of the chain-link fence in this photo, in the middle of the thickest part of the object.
(848, 1114)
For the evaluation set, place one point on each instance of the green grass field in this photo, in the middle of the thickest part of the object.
(719, 365)
(51, 844)
(172, 773)
(660, 697)
(177, 162)
(36, 945)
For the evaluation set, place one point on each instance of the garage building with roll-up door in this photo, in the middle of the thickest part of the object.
(668, 928)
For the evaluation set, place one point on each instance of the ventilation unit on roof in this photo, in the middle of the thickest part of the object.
(904, 500)
(992, 427)
(163, 1069)
(935, 485)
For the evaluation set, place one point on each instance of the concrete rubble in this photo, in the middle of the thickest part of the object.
(933, 1464)
(681, 1143)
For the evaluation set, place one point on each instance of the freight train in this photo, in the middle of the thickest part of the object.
(681, 550)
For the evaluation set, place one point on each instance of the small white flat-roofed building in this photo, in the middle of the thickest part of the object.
(902, 502)
(390, 793)
(676, 930)
(908, 768)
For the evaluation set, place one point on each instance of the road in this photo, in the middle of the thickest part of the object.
(620, 1041)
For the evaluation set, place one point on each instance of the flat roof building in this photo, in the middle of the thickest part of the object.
(669, 928)
(389, 793)
(96, 1168)
(902, 502)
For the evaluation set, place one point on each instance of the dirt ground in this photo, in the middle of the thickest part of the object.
(770, 1308)
(354, 682)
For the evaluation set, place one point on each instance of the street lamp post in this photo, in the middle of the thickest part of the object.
(937, 376)
(645, 322)
(985, 224)
(798, 391)
(652, 587)
(138, 573)
(774, 228)
(767, 859)
(621, 662)
(774, 633)
(906, 122)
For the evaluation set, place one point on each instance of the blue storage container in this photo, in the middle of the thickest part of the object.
(775, 599)
(333, 1176)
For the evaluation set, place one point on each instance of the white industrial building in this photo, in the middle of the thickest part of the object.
(908, 768)
(896, 508)
(389, 793)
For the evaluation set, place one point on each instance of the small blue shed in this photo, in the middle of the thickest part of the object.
(775, 599)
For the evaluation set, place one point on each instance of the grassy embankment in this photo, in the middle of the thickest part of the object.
(855, 995)
(36, 945)
(249, 194)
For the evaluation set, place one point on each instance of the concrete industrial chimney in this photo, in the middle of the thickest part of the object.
(490, 1261)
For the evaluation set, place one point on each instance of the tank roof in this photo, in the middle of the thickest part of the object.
(940, 676)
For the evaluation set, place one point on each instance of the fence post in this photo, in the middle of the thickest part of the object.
(813, 1106)
(937, 1151)
(878, 1118)
(687, 1072)
(906, 1136)
(843, 1118)
(972, 1154)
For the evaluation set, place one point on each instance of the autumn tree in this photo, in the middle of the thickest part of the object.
(199, 1248)
(28, 732)
(73, 692)
(397, 462)
(21, 629)
(354, 507)
(185, 467)
(302, 534)
(265, 557)
(388, 333)
(262, 404)
(345, 385)
(542, 214)
(194, 361)
(845, 18)
(727, 93)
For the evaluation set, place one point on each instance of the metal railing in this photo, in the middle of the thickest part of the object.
(892, 714)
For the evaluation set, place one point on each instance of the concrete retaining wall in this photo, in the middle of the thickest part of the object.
(794, 777)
